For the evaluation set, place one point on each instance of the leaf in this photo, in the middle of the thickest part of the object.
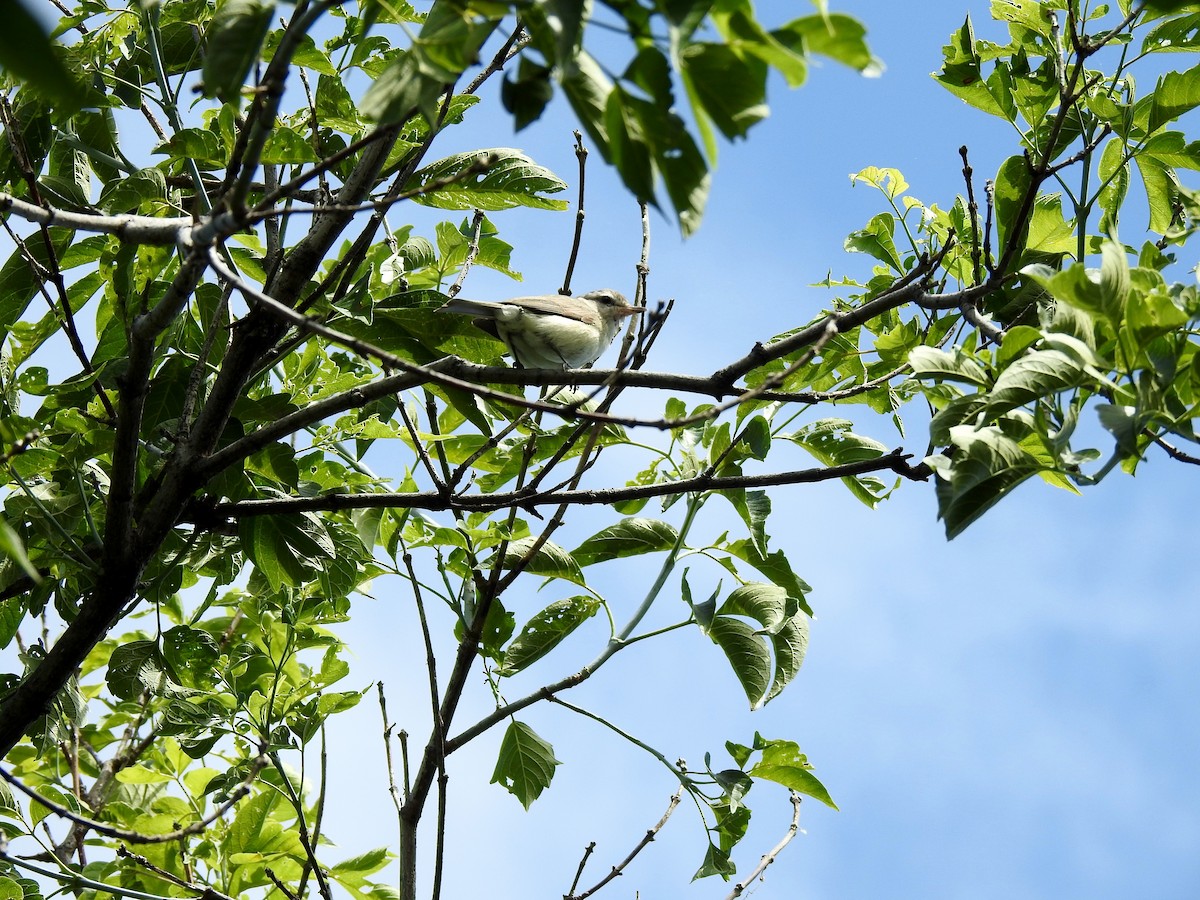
(1175, 94)
(876, 240)
(1013, 182)
(961, 72)
(790, 644)
(1100, 292)
(765, 603)
(550, 560)
(783, 763)
(510, 179)
(631, 536)
(526, 95)
(233, 42)
(545, 631)
(525, 765)
(246, 829)
(836, 35)
(13, 547)
(754, 507)
(942, 365)
(985, 467)
(354, 871)
(587, 89)
(401, 89)
(1150, 315)
(192, 655)
(725, 86)
(28, 54)
(776, 567)
(130, 667)
(832, 442)
(748, 655)
(716, 862)
(18, 281)
(141, 775)
(1036, 374)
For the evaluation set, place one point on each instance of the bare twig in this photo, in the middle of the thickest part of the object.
(769, 857)
(472, 252)
(620, 867)
(587, 852)
(581, 155)
(203, 890)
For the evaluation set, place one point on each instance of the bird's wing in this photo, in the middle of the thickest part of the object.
(484, 308)
(555, 306)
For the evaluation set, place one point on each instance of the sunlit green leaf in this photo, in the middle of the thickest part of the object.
(525, 765)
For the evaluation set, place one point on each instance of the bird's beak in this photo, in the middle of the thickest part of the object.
(629, 311)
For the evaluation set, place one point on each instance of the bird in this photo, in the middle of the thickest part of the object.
(551, 332)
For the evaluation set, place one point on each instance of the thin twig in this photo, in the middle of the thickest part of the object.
(770, 856)
(203, 890)
(623, 864)
(581, 155)
(587, 852)
(472, 252)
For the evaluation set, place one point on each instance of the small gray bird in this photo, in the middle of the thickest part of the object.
(551, 332)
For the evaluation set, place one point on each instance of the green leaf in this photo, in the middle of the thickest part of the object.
(200, 144)
(28, 54)
(402, 89)
(876, 240)
(985, 467)
(748, 655)
(631, 536)
(1013, 182)
(1162, 190)
(765, 603)
(1099, 292)
(13, 547)
(246, 831)
(510, 179)
(1150, 315)
(836, 35)
(587, 89)
(1036, 374)
(526, 95)
(754, 507)
(790, 644)
(725, 86)
(545, 631)
(1175, 94)
(833, 443)
(19, 282)
(942, 365)
(962, 73)
(141, 775)
(132, 667)
(354, 871)
(550, 560)
(783, 763)
(233, 42)
(525, 765)
(716, 862)
(776, 567)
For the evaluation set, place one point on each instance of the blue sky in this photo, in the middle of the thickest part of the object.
(1009, 715)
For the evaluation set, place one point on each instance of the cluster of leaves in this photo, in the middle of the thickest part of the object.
(125, 480)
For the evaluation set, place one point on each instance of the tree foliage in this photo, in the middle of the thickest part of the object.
(189, 514)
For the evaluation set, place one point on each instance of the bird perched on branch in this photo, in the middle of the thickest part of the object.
(551, 332)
